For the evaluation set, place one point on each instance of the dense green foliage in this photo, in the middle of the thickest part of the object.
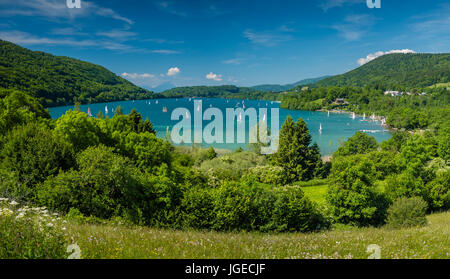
(353, 196)
(395, 70)
(224, 91)
(408, 111)
(407, 212)
(300, 160)
(56, 80)
(117, 168)
(281, 88)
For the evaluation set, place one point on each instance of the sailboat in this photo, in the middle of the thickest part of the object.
(89, 112)
(320, 129)
(353, 115)
(164, 109)
(328, 113)
(364, 116)
(106, 109)
(157, 102)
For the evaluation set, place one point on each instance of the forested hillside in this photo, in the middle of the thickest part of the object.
(279, 88)
(56, 80)
(396, 71)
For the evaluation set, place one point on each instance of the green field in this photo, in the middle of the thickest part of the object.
(315, 190)
(118, 242)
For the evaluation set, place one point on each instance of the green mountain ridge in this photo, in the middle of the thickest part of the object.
(280, 88)
(59, 80)
(396, 71)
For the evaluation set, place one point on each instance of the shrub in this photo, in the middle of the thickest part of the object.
(29, 233)
(404, 185)
(438, 191)
(102, 187)
(33, 153)
(250, 206)
(407, 212)
(198, 208)
(268, 174)
(360, 143)
(352, 195)
(78, 130)
(232, 166)
(293, 211)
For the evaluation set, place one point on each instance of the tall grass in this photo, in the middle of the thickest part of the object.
(112, 242)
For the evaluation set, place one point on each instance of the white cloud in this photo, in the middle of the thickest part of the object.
(354, 26)
(165, 51)
(173, 71)
(375, 55)
(266, 38)
(117, 34)
(136, 75)
(53, 9)
(214, 76)
(234, 61)
(329, 4)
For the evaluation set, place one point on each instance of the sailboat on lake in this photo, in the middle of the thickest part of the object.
(320, 129)
(106, 109)
(89, 112)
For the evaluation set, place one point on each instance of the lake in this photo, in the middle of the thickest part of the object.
(336, 127)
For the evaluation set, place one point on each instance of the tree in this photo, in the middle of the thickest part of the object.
(32, 153)
(360, 143)
(211, 153)
(352, 195)
(294, 154)
(79, 130)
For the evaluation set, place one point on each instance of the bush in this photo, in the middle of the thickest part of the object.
(438, 191)
(360, 143)
(404, 185)
(294, 212)
(32, 153)
(250, 206)
(78, 130)
(352, 195)
(273, 175)
(103, 186)
(232, 166)
(29, 233)
(407, 212)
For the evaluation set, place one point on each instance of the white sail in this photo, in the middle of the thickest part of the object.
(106, 109)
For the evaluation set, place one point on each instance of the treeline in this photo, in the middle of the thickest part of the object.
(224, 91)
(55, 80)
(408, 111)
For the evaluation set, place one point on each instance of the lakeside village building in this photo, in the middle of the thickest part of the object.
(398, 93)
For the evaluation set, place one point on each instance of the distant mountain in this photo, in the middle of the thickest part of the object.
(163, 87)
(397, 71)
(56, 80)
(280, 88)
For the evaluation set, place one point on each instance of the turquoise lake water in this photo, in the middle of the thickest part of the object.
(336, 127)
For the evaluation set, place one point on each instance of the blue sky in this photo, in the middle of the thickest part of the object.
(242, 42)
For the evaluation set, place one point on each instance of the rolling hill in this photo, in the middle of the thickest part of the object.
(56, 80)
(396, 71)
(280, 88)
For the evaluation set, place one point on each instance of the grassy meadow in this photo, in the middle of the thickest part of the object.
(342, 242)
(123, 242)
